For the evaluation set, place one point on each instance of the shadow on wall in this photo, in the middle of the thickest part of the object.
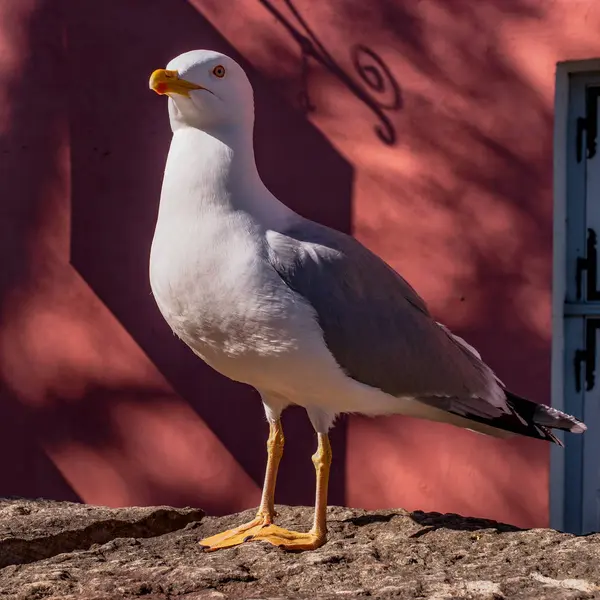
(371, 80)
(470, 216)
(115, 431)
(33, 139)
(480, 208)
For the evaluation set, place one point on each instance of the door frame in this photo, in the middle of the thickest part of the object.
(562, 145)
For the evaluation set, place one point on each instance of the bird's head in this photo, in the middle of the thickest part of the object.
(207, 90)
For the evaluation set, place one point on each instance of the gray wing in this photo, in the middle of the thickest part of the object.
(377, 327)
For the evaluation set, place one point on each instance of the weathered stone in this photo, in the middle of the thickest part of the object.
(383, 554)
(31, 530)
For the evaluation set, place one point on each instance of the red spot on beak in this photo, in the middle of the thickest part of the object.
(161, 88)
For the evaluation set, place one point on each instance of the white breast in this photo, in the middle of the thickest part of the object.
(208, 266)
(218, 293)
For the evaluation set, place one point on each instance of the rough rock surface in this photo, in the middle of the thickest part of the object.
(382, 554)
(31, 530)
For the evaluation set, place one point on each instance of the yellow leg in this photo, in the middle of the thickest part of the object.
(322, 462)
(266, 510)
(262, 529)
(317, 536)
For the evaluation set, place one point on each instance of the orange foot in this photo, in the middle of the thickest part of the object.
(258, 530)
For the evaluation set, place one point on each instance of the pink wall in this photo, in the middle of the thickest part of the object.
(99, 402)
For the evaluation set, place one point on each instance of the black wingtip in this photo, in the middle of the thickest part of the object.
(556, 419)
(543, 419)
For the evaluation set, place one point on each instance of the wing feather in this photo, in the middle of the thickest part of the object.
(376, 325)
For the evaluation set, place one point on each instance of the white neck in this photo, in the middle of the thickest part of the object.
(216, 174)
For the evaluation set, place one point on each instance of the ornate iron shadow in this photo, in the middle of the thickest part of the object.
(375, 77)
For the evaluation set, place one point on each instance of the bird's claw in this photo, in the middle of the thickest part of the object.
(290, 541)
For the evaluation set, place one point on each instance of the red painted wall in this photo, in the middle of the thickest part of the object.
(99, 402)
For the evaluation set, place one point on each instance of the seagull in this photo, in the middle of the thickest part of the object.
(303, 313)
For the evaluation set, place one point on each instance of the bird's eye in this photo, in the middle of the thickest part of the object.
(219, 71)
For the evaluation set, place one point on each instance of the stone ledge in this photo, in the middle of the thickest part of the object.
(31, 530)
(381, 554)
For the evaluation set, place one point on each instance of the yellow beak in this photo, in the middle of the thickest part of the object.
(169, 82)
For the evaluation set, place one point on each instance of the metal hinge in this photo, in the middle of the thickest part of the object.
(589, 124)
(590, 265)
(587, 357)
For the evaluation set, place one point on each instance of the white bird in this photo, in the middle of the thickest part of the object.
(303, 313)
